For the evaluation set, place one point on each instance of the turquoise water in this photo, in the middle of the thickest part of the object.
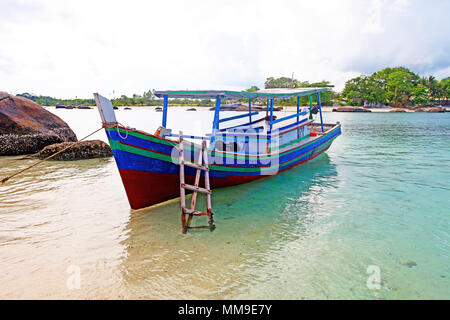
(380, 196)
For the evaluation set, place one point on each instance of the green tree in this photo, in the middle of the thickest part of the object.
(397, 84)
(282, 82)
(421, 96)
(444, 90)
(326, 97)
(364, 89)
(252, 89)
(400, 86)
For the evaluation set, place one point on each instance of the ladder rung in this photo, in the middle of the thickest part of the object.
(194, 165)
(194, 188)
(202, 227)
(195, 212)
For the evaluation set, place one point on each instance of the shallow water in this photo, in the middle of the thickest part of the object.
(380, 196)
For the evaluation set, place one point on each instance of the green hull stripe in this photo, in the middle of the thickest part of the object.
(213, 153)
(115, 145)
(144, 137)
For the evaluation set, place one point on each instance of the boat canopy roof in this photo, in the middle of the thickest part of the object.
(264, 93)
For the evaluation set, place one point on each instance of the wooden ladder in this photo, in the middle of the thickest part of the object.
(201, 165)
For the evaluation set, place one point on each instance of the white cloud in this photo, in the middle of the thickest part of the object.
(73, 48)
(373, 23)
(400, 4)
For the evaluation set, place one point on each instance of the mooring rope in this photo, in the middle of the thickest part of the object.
(49, 157)
(118, 131)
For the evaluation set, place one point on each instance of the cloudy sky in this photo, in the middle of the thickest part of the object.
(73, 48)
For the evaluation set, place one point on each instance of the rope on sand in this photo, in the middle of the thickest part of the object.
(49, 157)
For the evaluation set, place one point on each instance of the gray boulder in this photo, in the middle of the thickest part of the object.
(78, 150)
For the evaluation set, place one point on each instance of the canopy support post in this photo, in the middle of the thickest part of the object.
(271, 113)
(310, 108)
(267, 109)
(250, 109)
(320, 109)
(215, 122)
(164, 119)
(298, 109)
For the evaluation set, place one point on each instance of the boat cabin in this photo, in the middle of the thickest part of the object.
(259, 132)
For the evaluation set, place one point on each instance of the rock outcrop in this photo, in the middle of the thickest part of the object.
(432, 110)
(436, 109)
(350, 109)
(26, 127)
(78, 150)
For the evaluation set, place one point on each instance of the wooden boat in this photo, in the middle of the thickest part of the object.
(83, 107)
(262, 146)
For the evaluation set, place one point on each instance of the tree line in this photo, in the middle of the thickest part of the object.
(396, 87)
(391, 86)
(146, 99)
(50, 101)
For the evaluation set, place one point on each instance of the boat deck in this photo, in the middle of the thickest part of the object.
(283, 135)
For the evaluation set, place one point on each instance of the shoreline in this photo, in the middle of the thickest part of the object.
(284, 108)
(287, 108)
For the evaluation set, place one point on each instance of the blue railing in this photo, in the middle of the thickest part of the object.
(243, 125)
(185, 136)
(287, 117)
(239, 116)
(290, 125)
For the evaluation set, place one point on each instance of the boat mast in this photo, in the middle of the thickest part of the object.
(271, 113)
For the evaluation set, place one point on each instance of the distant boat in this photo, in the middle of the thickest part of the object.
(83, 107)
(115, 108)
(127, 108)
(69, 107)
(228, 106)
(191, 109)
(60, 106)
(158, 109)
